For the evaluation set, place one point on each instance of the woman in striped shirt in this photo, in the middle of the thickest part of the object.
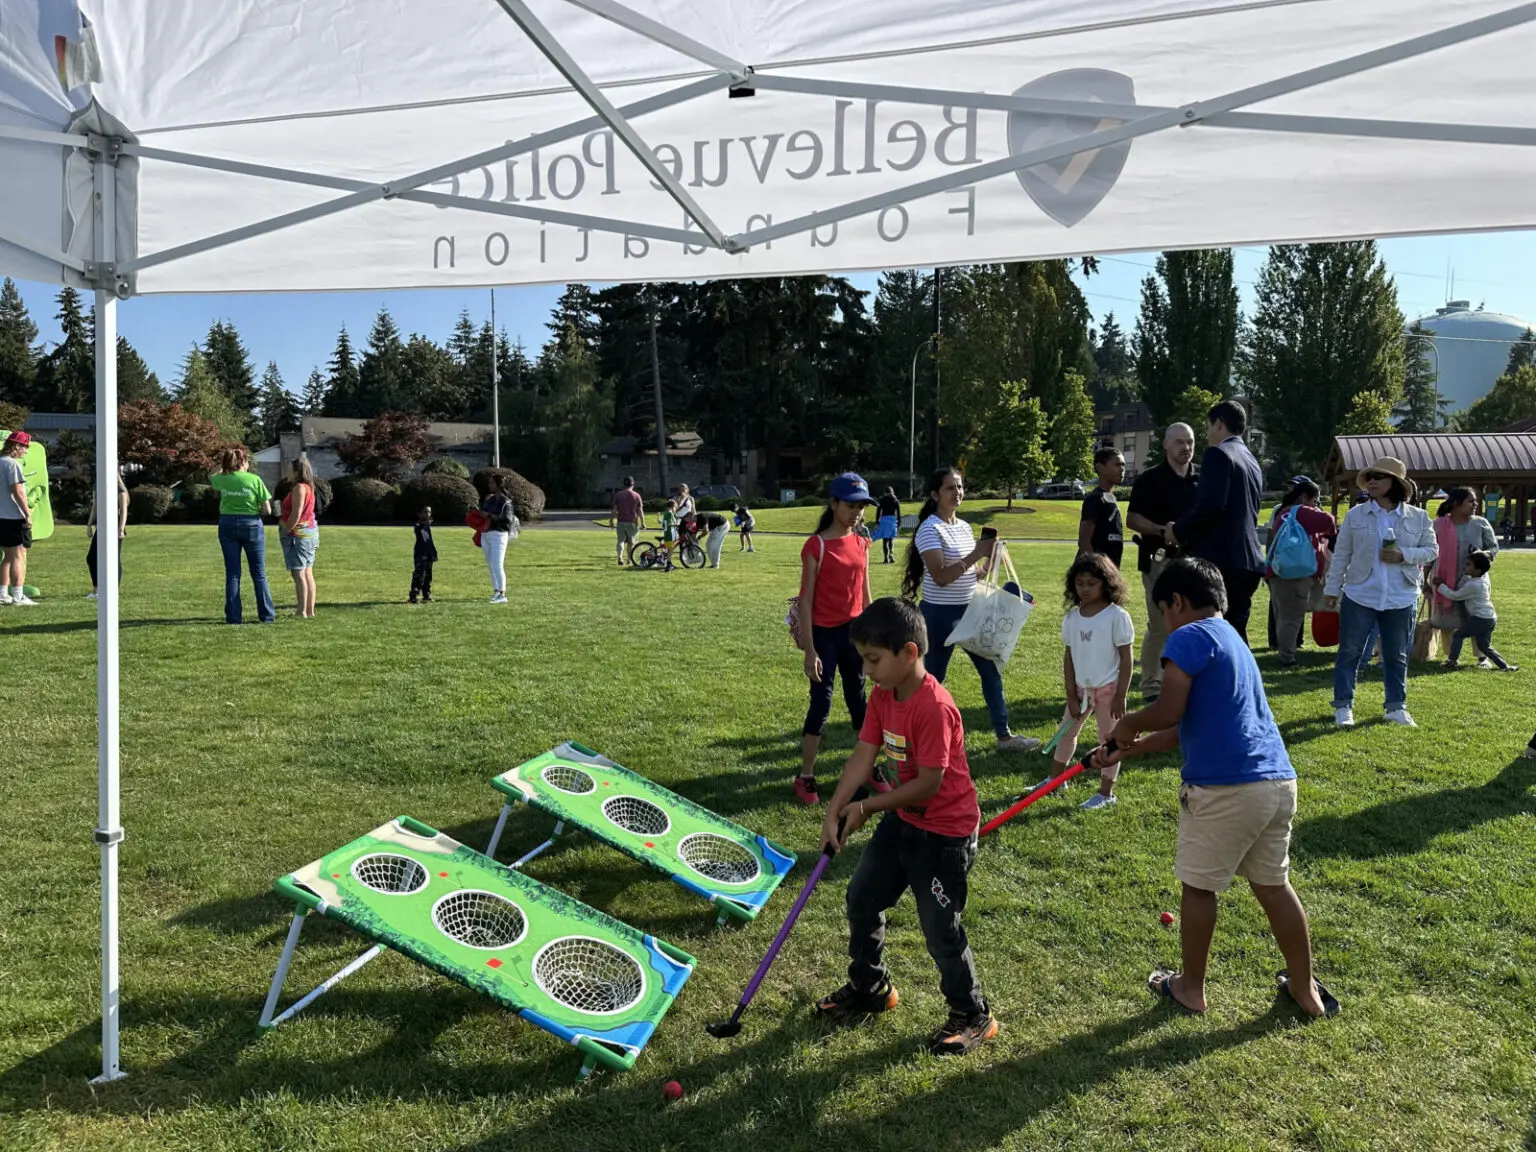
(942, 561)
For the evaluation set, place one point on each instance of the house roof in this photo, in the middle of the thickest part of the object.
(678, 444)
(324, 431)
(1439, 457)
(61, 422)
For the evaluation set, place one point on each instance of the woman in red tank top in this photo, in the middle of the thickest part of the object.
(299, 533)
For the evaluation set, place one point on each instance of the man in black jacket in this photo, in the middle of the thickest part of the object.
(1224, 525)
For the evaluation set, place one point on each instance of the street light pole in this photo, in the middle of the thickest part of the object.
(495, 390)
(912, 425)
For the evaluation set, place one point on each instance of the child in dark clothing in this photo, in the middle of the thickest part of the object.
(425, 554)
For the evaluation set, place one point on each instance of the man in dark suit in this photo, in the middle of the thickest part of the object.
(1224, 524)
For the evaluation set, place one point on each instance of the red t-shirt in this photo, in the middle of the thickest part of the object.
(627, 505)
(925, 731)
(839, 580)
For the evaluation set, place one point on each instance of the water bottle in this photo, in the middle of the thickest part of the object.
(1390, 539)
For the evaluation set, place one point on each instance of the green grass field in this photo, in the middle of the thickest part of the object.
(249, 752)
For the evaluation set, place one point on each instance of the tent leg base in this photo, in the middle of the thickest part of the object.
(106, 1078)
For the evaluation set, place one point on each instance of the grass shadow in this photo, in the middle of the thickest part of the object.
(1409, 825)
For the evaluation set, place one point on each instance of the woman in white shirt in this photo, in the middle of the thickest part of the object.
(941, 563)
(1383, 547)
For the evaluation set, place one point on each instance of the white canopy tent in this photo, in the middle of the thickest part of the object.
(296, 145)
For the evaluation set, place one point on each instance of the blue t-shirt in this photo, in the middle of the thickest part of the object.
(1228, 734)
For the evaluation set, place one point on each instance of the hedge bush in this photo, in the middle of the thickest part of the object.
(199, 503)
(451, 498)
(362, 500)
(324, 494)
(444, 466)
(148, 504)
(527, 497)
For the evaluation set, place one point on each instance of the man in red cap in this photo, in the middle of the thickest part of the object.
(15, 521)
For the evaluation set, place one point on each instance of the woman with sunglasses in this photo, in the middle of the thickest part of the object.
(1383, 547)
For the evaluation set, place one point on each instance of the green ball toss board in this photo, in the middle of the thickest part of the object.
(591, 980)
(730, 866)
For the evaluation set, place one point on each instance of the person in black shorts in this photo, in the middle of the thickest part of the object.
(1160, 496)
(1101, 530)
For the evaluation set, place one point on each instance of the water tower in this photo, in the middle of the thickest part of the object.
(1473, 347)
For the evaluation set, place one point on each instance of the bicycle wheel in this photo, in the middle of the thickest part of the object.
(647, 556)
(691, 555)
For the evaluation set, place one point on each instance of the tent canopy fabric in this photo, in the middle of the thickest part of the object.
(894, 127)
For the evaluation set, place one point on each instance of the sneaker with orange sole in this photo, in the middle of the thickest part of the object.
(963, 1032)
(851, 1001)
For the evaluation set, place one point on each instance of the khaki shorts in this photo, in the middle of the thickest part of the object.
(627, 530)
(1228, 830)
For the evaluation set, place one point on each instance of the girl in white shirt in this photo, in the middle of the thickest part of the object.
(1476, 597)
(1096, 666)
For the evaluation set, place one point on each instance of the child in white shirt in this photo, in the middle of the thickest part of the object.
(1476, 596)
(1096, 666)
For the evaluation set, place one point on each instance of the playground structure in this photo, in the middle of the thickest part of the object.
(584, 977)
(728, 865)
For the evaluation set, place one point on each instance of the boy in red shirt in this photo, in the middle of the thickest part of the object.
(927, 843)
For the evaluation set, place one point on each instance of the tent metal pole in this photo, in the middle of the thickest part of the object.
(556, 54)
(652, 30)
(1254, 121)
(1189, 114)
(38, 136)
(109, 832)
(495, 390)
(57, 255)
(365, 193)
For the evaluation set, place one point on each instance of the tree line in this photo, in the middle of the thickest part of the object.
(812, 365)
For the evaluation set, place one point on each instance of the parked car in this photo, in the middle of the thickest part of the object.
(719, 492)
(1066, 490)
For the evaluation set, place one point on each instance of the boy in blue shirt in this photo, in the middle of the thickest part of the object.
(1238, 795)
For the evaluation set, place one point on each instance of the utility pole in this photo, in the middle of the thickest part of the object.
(661, 416)
(495, 390)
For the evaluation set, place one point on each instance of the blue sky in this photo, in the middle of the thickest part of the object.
(298, 331)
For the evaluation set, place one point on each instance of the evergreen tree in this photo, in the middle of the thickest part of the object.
(200, 393)
(279, 410)
(1187, 331)
(432, 373)
(1522, 353)
(1326, 327)
(382, 383)
(66, 377)
(134, 379)
(314, 394)
(902, 370)
(230, 365)
(1422, 408)
(574, 319)
(341, 385)
(1073, 431)
(1114, 368)
(18, 346)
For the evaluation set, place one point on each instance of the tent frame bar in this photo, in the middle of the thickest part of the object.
(1254, 121)
(37, 136)
(566, 65)
(402, 188)
(653, 30)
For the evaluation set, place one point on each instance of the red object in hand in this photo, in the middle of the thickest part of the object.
(1166, 917)
(672, 1090)
(1325, 629)
(479, 521)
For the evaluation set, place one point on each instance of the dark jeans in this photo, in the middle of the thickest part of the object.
(245, 534)
(901, 856)
(890, 551)
(1357, 624)
(90, 560)
(941, 620)
(1480, 631)
(1241, 585)
(421, 579)
(838, 655)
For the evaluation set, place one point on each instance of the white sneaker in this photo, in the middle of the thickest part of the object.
(1400, 717)
(1344, 717)
(90, 595)
(499, 598)
(24, 601)
(5, 597)
(1528, 753)
(1098, 800)
(1017, 744)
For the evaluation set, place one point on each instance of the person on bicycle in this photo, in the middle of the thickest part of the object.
(834, 589)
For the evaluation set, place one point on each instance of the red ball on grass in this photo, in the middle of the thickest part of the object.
(672, 1090)
(1166, 917)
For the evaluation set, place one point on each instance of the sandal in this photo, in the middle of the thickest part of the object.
(1331, 1006)
(1160, 984)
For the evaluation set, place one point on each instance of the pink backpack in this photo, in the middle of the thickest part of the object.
(792, 617)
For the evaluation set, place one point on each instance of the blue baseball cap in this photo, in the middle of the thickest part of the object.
(851, 489)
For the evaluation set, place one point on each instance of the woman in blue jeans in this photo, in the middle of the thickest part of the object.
(941, 563)
(1383, 546)
(242, 496)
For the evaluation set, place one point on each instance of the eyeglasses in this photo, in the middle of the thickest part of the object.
(1369, 476)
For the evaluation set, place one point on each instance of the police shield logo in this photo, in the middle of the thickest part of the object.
(1070, 187)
